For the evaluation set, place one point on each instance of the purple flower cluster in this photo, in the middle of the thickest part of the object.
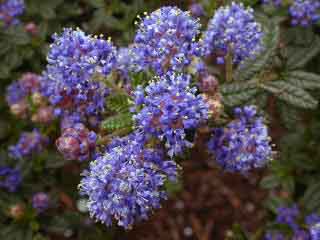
(74, 60)
(127, 182)
(233, 30)
(291, 217)
(77, 142)
(315, 231)
(10, 179)
(196, 10)
(166, 40)
(243, 144)
(10, 10)
(40, 202)
(276, 3)
(168, 108)
(29, 143)
(18, 92)
(24, 95)
(127, 61)
(305, 12)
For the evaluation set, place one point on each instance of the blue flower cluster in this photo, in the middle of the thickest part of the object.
(243, 144)
(18, 92)
(29, 143)
(168, 108)
(40, 202)
(126, 183)
(73, 61)
(10, 179)
(290, 216)
(315, 231)
(233, 30)
(128, 61)
(196, 10)
(166, 40)
(275, 3)
(28, 83)
(305, 12)
(25, 99)
(10, 10)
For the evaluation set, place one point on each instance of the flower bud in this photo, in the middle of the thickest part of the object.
(31, 28)
(17, 211)
(209, 84)
(19, 109)
(44, 115)
(77, 143)
(215, 105)
(37, 98)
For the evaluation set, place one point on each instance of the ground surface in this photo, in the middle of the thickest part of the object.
(210, 202)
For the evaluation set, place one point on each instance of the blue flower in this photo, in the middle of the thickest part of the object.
(315, 231)
(10, 10)
(126, 183)
(29, 143)
(243, 144)
(74, 60)
(233, 30)
(305, 12)
(168, 108)
(127, 61)
(288, 216)
(196, 10)
(10, 179)
(276, 3)
(17, 91)
(166, 40)
(301, 235)
(40, 202)
(274, 236)
(291, 217)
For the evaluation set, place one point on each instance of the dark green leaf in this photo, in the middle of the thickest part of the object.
(291, 94)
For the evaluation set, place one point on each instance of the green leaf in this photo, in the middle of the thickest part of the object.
(239, 233)
(273, 202)
(305, 80)
(290, 116)
(270, 182)
(119, 121)
(252, 67)
(291, 94)
(311, 198)
(299, 57)
(118, 103)
(234, 94)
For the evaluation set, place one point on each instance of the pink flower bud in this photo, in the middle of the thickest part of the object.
(76, 143)
(209, 84)
(31, 28)
(19, 109)
(44, 115)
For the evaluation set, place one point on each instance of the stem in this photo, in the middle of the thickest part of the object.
(229, 67)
